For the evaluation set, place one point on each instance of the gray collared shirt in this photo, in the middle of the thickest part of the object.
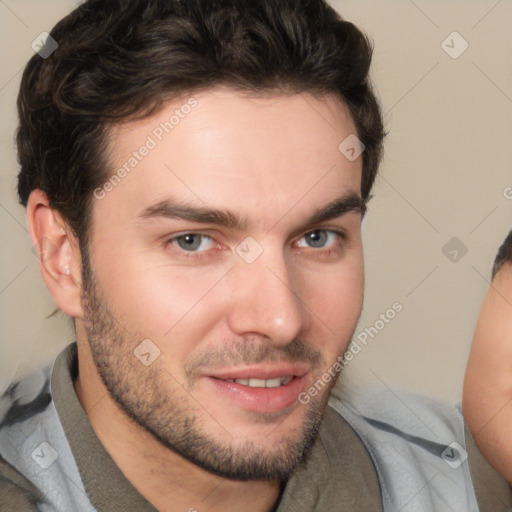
(49, 452)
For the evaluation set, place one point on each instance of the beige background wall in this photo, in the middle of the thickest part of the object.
(447, 168)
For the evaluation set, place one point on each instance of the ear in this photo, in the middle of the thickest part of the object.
(58, 253)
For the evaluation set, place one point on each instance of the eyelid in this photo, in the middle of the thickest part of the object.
(337, 230)
(175, 237)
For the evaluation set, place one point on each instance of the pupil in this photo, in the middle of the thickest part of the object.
(317, 238)
(189, 242)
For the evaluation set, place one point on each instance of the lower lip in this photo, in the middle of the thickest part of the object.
(260, 399)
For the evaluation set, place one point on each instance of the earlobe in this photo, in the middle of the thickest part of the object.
(57, 251)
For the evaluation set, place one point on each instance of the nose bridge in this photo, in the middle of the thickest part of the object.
(266, 299)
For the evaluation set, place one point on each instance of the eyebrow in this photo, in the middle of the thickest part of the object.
(171, 209)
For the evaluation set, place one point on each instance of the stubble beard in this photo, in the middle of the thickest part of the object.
(175, 419)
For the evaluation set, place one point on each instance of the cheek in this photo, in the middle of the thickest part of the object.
(335, 298)
(175, 307)
(345, 304)
(336, 290)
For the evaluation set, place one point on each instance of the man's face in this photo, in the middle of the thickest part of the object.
(243, 309)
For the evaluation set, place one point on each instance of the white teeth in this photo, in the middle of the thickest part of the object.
(262, 383)
(257, 383)
(273, 383)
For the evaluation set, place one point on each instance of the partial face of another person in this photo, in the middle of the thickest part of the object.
(233, 248)
(487, 400)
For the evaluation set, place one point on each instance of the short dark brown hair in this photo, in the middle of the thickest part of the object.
(122, 59)
(504, 255)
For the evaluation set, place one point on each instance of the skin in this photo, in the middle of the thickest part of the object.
(487, 398)
(273, 161)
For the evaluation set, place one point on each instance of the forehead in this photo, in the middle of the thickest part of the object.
(223, 149)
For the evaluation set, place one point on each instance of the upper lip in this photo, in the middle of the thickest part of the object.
(267, 371)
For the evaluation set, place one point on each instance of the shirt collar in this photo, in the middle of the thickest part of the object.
(337, 474)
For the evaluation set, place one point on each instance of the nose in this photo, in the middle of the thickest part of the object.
(265, 301)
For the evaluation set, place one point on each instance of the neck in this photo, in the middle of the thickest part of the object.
(167, 480)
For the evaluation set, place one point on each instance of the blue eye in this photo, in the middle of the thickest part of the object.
(192, 242)
(320, 238)
(198, 246)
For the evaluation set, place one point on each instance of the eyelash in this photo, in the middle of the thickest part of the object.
(204, 254)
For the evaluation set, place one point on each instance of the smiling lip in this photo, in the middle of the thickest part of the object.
(260, 399)
(269, 371)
